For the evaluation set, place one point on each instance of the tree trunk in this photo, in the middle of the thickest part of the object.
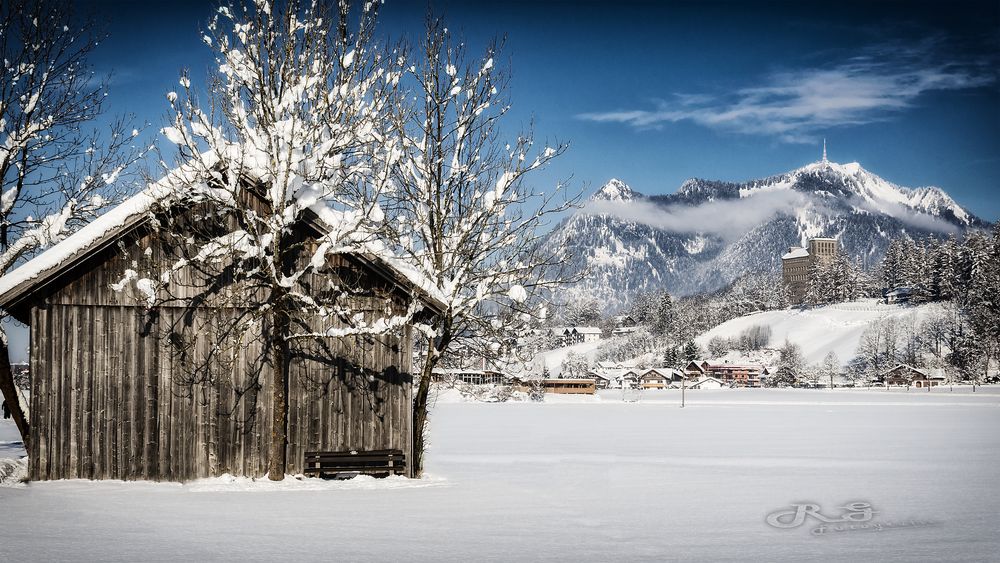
(279, 391)
(420, 414)
(11, 395)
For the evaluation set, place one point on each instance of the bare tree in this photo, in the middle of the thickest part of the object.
(879, 347)
(468, 221)
(293, 133)
(57, 169)
(831, 366)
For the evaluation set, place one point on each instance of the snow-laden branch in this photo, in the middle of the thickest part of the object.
(286, 165)
(466, 217)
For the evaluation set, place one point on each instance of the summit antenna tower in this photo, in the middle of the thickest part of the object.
(824, 149)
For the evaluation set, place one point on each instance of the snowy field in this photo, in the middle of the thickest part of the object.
(832, 328)
(600, 480)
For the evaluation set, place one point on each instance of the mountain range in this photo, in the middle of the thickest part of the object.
(710, 232)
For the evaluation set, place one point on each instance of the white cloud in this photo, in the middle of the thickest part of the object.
(794, 105)
(730, 219)
(908, 216)
(726, 218)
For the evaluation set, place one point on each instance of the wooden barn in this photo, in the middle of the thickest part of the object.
(111, 398)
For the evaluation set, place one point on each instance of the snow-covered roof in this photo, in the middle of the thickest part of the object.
(795, 253)
(696, 365)
(587, 330)
(609, 364)
(92, 237)
(109, 227)
(665, 372)
(706, 380)
(905, 366)
(735, 366)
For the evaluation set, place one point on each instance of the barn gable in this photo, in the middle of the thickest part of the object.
(114, 397)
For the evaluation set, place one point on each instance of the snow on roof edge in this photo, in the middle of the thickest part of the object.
(127, 214)
(121, 217)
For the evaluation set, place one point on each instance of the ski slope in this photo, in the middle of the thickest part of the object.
(818, 331)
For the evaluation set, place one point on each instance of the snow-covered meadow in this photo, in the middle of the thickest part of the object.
(569, 480)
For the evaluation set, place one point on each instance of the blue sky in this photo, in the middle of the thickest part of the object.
(658, 92)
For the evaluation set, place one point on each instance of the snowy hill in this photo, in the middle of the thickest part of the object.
(553, 359)
(818, 331)
(709, 232)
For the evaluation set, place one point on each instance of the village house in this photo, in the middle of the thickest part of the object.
(736, 375)
(660, 378)
(695, 370)
(623, 330)
(581, 334)
(601, 380)
(629, 379)
(469, 376)
(898, 295)
(608, 374)
(576, 386)
(613, 365)
(905, 375)
(708, 383)
(113, 398)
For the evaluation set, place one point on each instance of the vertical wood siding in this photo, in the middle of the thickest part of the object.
(110, 399)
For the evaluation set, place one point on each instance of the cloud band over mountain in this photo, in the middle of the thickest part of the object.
(731, 218)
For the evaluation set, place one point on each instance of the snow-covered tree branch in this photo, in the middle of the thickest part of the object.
(293, 138)
(465, 216)
(58, 171)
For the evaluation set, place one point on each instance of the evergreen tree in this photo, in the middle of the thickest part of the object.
(891, 267)
(817, 289)
(943, 275)
(671, 358)
(666, 318)
(921, 272)
(982, 303)
(644, 308)
(691, 351)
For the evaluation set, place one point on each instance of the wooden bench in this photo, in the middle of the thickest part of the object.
(345, 465)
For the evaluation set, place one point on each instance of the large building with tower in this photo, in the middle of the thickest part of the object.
(797, 262)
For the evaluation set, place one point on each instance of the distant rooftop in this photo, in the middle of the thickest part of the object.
(796, 253)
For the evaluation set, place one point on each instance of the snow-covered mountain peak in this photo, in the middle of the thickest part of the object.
(862, 189)
(616, 190)
(826, 166)
(935, 201)
(711, 232)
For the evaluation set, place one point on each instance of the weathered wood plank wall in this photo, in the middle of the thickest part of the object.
(111, 400)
